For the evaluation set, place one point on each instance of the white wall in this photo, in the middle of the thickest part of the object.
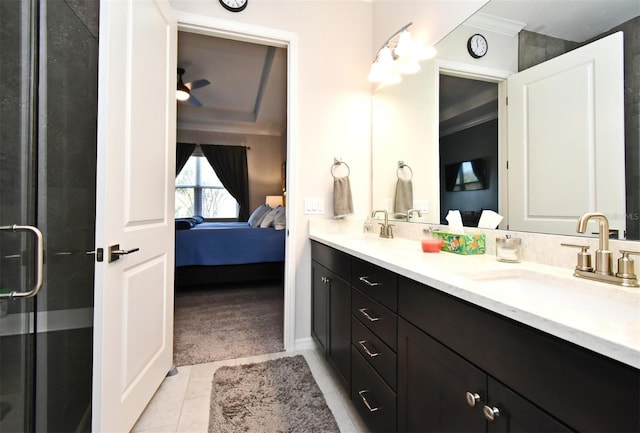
(334, 107)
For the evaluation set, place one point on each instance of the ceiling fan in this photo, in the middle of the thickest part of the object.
(183, 91)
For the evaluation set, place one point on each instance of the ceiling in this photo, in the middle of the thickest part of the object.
(247, 94)
(465, 102)
(572, 20)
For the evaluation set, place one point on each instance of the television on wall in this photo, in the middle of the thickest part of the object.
(469, 175)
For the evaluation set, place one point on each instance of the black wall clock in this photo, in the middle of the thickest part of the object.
(477, 46)
(234, 5)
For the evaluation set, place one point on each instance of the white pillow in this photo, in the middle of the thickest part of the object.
(267, 221)
(256, 217)
(280, 221)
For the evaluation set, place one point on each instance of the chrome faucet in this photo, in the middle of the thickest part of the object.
(410, 211)
(603, 270)
(386, 230)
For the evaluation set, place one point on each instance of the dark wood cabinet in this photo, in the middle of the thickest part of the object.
(374, 336)
(439, 391)
(573, 386)
(320, 302)
(331, 308)
(433, 383)
(416, 359)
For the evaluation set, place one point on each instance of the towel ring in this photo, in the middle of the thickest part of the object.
(337, 163)
(400, 167)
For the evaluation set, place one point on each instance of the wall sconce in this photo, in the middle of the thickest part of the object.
(398, 55)
(274, 201)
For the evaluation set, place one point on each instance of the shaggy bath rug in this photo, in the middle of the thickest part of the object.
(228, 323)
(273, 396)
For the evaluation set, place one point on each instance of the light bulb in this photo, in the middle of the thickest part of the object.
(405, 46)
(182, 95)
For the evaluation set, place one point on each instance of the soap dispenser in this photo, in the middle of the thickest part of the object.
(429, 243)
(508, 249)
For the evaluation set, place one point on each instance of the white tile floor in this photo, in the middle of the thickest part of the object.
(181, 404)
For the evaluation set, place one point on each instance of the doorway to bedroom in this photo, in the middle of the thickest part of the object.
(230, 244)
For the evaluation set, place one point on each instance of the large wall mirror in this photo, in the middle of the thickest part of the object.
(410, 124)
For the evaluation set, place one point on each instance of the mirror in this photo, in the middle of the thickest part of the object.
(403, 133)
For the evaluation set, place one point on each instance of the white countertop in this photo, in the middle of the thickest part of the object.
(601, 317)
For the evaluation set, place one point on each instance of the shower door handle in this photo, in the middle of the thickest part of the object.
(39, 262)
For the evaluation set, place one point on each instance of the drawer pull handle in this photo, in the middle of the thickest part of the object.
(473, 398)
(368, 316)
(490, 413)
(369, 283)
(363, 344)
(366, 402)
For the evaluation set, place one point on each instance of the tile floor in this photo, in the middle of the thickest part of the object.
(181, 404)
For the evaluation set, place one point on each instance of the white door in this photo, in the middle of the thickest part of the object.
(133, 334)
(566, 140)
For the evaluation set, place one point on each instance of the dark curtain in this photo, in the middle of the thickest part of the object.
(183, 152)
(230, 165)
(478, 167)
(451, 174)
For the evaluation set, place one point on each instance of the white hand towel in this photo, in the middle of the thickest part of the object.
(342, 201)
(404, 195)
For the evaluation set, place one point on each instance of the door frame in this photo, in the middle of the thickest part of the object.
(216, 27)
(498, 76)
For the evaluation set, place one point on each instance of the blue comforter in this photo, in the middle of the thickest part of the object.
(228, 243)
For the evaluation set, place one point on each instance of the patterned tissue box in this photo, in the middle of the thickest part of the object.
(467, 244)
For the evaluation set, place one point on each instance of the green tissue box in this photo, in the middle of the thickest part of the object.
(466, 244)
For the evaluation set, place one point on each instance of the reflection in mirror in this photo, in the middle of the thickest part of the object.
(405, 125)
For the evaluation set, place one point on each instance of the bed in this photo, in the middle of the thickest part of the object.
(222, 252)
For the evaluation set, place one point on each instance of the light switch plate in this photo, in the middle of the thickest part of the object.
(313, 206)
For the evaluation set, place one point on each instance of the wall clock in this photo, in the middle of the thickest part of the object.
(477, 46)
(234, 5)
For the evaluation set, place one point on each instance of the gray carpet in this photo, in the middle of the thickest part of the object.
(273, 396)
(228, 323)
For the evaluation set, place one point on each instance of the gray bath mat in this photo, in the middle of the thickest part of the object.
(273, 396)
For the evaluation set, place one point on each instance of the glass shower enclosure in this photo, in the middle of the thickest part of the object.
(48, 109)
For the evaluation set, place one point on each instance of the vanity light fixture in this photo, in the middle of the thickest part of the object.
(398, 55)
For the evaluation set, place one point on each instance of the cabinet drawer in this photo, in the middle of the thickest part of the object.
(337, 261)
(372, 398)
(552, 373)
(379, 283)
(382, 321)
(372, 349)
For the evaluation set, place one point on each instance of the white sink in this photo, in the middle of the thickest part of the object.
(552, 294)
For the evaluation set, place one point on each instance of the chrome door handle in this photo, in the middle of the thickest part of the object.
(369, 317)
(372, 408)
(372, 353)
(490, 413)
(115, 252)
(365, 280)
(39, 262)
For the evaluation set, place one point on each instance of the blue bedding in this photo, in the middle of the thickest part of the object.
(228, 243)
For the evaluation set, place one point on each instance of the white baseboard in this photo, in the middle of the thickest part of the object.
(306, 343)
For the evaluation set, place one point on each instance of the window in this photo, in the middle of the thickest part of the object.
(200, 192)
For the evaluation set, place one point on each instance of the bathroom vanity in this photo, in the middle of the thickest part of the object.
(438, 342)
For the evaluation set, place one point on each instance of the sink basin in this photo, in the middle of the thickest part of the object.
(557, 295)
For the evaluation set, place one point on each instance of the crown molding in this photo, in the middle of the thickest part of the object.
(495, 24)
